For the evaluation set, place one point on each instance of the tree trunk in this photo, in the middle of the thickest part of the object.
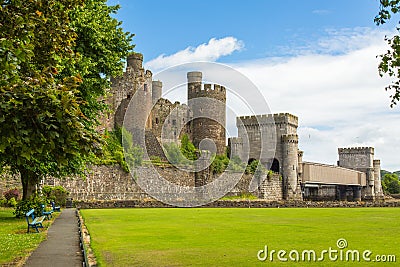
(29, 181)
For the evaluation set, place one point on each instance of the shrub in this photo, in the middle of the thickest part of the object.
(24, 206)
(12, 202)
(219, 164)
(119, 149)
(58, 194)
(255, 167)
(174, 154)
(12, 193)
(187, 148)
(3, 202)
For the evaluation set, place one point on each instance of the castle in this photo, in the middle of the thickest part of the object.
(272, 138)
(156, 118)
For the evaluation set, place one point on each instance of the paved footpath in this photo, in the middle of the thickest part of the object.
(62, 245)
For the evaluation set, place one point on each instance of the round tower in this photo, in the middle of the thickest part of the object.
(135, 61)
(208, 105)
(378, 180)
(290, 166)
(156, 90)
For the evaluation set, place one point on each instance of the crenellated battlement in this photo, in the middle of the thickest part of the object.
(267, 119)
(207, 87)
(135, 61)
(290, 138)
(283, 118)
(356, 150)
(235, 141)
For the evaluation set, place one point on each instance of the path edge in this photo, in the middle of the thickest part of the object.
(84, 243)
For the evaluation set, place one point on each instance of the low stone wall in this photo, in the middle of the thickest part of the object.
(234, 204)
(112, 182)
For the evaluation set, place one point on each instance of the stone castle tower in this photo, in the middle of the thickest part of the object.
(207, 103)
(135, 88)
(259, 136)
(362, 159)
(154, 119)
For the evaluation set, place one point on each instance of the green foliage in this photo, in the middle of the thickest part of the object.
(255, 167)
(391, 184)
(56, 58)
(243, 196)
(390, 61)
(119, 149)
(58, 194)
(12, 202)
(222, 163)
(155, 159)
(133, 153)
(174, 154)
(236, 164)
(187, 148)
(24, 206)
(3, 202)
(219, 164)
(101, 46)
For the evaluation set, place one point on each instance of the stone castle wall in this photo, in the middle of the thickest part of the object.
(8, 181)
(271, 188)
(112, 183)
(169, 120)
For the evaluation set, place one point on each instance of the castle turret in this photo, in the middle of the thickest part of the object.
(207, 103)
(290, 166)
(135, 61)
(300, 163)
(156, 91)
(378, 180)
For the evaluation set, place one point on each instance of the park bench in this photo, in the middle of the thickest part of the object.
(47, 214)
(55, 208)
(34, 222)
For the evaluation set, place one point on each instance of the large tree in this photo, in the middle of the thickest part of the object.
(56, 57)
(390, 61)
(391, 183)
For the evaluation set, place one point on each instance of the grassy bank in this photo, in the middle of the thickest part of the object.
(15, 243)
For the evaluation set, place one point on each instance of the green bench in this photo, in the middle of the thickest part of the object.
(34, 222)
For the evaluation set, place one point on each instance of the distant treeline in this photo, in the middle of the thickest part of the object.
(383, 172)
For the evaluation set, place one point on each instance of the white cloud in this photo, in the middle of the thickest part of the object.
(332, 85)
(211, 51)
(336, 92)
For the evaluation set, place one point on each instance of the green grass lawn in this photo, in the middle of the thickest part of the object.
(15, 243)
(232, 237)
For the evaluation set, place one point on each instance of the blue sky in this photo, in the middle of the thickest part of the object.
(312, 58)
(266, 27)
